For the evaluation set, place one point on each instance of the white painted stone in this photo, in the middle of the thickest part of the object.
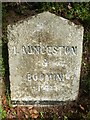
(45, 53)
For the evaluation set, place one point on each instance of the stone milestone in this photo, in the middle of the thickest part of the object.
(45, 53)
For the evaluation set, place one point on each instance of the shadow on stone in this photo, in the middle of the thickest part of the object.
(6, 66)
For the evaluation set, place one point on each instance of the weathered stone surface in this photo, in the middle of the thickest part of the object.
(45, 53)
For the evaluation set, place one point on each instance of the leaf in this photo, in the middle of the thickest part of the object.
(19, 113)
(34, 113)
(81, 107)
(34, 116)
(31, 111)
(69, 6)
(4, 101)
(30, 107)
(25, 111)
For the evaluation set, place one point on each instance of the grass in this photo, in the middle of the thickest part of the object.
(2, 113)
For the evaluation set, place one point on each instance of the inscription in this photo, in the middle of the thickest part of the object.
(46, 87)
(49, 50)
(47, 76)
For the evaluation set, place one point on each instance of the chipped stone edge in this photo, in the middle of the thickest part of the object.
(10, 27)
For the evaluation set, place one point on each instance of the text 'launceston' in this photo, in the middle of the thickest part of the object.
(42, 49)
